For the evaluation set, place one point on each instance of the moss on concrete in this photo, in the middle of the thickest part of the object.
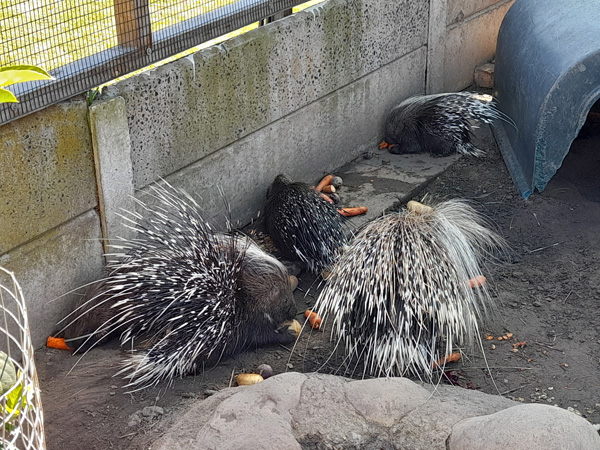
(46, 172)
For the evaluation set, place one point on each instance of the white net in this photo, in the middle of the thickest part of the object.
(20, 402)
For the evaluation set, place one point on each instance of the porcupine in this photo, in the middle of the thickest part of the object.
(399, 298)
(440, 124)
(303, 226)
(195, 294)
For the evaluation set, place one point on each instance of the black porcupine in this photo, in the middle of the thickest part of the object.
(302, 225)
(439, 124)
(399, 297)
(196, 295)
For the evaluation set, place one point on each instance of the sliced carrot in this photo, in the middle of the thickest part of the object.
(356, 211)
(452, 357)
(477, 281)
(326, 197)
(313, 319)
(383, 145)
(59, 343)
(326, 181)
(329, 189)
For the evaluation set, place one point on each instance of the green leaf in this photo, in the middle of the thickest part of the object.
(19, 74)
(15, 400)
(7, 96)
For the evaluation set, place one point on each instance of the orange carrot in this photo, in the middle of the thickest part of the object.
(313, 319)
(452, 357)
(356, 211)
(59, 343)
(383, 145)
(326, 197)
(329, 189)
(478, 281)
(324, 182)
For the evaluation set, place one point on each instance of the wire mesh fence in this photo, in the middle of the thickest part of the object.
(86, 43)
(22, 424)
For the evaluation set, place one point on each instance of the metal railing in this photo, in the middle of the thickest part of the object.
(84, 44)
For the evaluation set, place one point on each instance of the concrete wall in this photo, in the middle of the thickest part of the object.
(302, 95)
(471, 32)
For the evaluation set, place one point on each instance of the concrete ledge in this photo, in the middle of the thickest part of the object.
(60, 259)
(46, 172)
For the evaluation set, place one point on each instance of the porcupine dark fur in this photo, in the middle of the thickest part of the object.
(194, 294)
(303, 226)
(398, 298)
(440, 124)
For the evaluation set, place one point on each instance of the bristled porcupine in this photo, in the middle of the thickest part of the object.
(193, 294)
(439, 124)
(399, 298)
(302, 225)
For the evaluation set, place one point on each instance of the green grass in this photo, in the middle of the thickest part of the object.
(52, 33)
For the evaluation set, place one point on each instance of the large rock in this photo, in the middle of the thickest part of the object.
(531, 426)
(294, 411)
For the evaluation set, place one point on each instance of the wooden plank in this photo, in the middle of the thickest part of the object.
(132, 19)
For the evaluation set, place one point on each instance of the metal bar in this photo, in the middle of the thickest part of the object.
(87, 73)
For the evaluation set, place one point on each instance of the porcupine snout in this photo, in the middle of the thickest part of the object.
(270, 299)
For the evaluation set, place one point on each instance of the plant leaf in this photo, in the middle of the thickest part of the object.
(7, 96)
(19, 74)
(15, 400)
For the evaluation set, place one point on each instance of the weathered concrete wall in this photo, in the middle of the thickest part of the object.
(49, 233)
(303, 95)
(471, 32)
(282, 98)
(201, 104)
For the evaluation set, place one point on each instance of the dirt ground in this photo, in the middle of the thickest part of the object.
(547, 298)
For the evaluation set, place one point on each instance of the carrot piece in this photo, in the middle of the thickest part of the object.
(477, 281)
(313, 319)
(452, 357)
(324, 182)
(59, 343)
(326, 197)
(383, 145)
(356, 211)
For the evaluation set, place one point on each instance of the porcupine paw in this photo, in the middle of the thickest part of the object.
(287, 334)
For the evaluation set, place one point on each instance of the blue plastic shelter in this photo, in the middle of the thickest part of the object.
(547, 77)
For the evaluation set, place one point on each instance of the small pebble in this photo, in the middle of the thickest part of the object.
(134, 419)
(265, 371)
(151, 411)
(537, 304)
(337, 182)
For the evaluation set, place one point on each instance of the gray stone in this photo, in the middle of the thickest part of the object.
(293, 411)
(484, 76)
(152, 411)
(530, 426)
